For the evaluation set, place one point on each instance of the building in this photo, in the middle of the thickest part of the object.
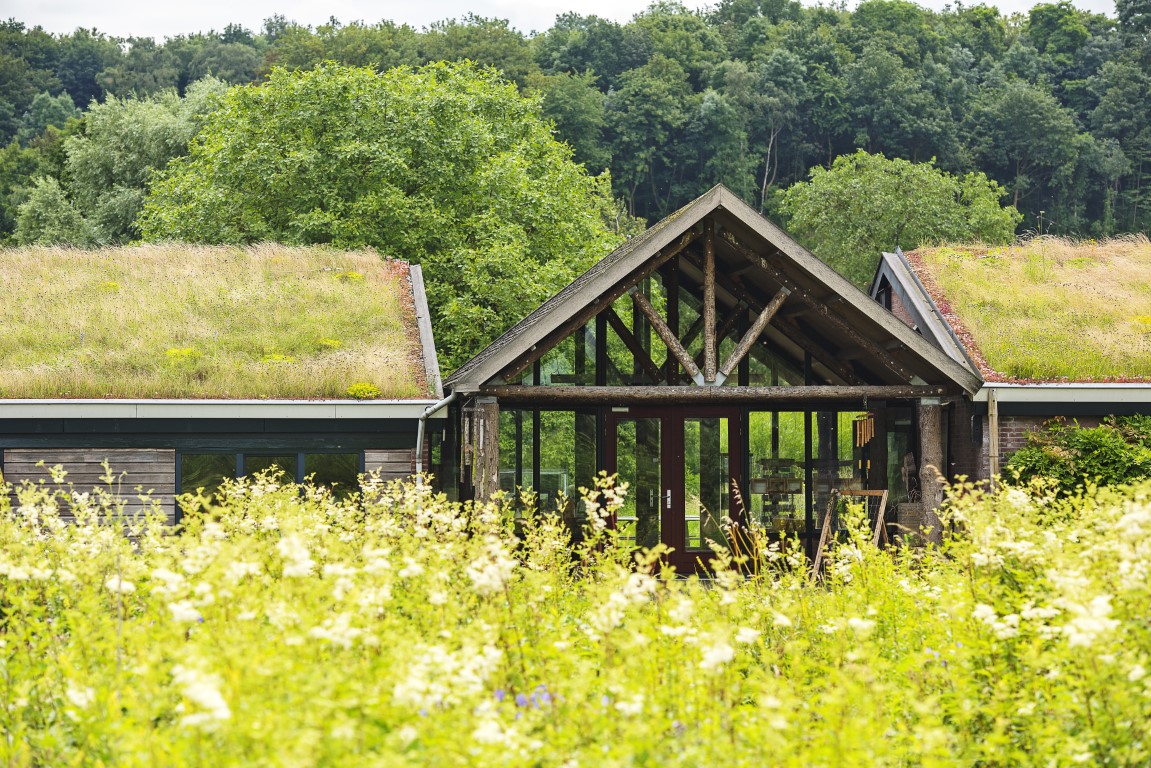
(183, 365)
(1054, 329)
(711, 355)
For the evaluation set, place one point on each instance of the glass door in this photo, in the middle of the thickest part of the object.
(679, 466)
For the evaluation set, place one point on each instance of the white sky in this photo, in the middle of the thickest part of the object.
(167, 18)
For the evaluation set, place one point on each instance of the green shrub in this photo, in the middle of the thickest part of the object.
(363, 390)
(1117, 451)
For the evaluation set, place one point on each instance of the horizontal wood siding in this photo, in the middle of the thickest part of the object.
(151, 469)
(393, 464)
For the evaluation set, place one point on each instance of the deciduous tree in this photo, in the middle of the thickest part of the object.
(865, 204)
(447, 166)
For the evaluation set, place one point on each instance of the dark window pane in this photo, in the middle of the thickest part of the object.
(286, 464)
(205, 470)
(338, 471)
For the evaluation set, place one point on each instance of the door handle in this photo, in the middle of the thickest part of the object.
(667, 498)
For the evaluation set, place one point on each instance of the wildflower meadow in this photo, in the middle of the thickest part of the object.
(283, 626)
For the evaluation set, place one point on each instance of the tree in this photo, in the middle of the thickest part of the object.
(108, 167)
(447, 166)
(49, 218)
(865, 204)
(45, 110)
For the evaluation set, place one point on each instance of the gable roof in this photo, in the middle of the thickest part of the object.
(181, 322)
(831, 306)
(1046, 310)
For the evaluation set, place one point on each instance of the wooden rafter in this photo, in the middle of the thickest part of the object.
(596, 306)
(824, 356)
(665, 333)
(632, 343)
(823, 310)
(754, 332)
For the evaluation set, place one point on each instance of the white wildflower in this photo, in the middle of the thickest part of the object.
(491, 571)
(632, 706)
(79, 698)
(411, 569)
(202, 690)
(297, 560)
(1137, 673)
(985, 613)
(1089, 622)
(184, 611)
(119, 585)
(861, 626)
(715, 656)
(489, 731)
(337, 630)
(781, 620)
(746, 635)
(167, 582)
(238, 569)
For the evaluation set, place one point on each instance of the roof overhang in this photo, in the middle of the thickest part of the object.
(1062, 393)
(216, 409)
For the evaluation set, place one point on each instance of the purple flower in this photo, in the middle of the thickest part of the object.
(521, 700)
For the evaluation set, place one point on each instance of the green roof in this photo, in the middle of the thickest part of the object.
(1047, 309)
(183, 321)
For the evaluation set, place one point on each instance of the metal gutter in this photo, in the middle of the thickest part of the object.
(1071, 392)
(428, 412)
(213, 409)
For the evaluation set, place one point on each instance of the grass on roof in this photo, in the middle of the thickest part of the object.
(1049, 309)
(181, 321)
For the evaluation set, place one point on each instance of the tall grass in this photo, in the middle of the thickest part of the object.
(196, 322)
(1051, 308)
(285, 627)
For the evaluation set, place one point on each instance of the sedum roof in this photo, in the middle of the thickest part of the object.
(195, 322)
(1047, 309)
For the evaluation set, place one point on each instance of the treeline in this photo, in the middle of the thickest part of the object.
(1055, 104)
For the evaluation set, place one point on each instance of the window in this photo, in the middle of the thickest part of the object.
(338, 471)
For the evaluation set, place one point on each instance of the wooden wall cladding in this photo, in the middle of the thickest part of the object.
(146, 468)
(393, 464)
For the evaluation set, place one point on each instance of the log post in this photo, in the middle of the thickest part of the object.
(486, 469)
(710, 343)
(931, 477)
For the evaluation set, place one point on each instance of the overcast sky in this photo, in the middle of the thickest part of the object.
(166, 18)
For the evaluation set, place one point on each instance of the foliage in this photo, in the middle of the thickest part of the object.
(401, 628)
(363, 390)
(1073, 457)
(865, 204)
(110, 164)
(1027, 305)
(178, 321)
(447, 166)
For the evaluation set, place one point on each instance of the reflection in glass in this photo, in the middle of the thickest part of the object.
(338, 471)
(205, 470)
(705, 479)
(284, 465)
(638, 460)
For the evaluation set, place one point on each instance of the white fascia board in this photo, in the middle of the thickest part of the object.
(1066, 393)
(216, 409)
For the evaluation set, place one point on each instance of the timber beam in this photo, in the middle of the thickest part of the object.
(825, 311)
(710, 342)
(632, 343)
(753, 333)
(538, 350)
(819, 352)
(665, 333)
(695, 395)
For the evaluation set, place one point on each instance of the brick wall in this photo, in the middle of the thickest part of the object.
(1013, 432)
